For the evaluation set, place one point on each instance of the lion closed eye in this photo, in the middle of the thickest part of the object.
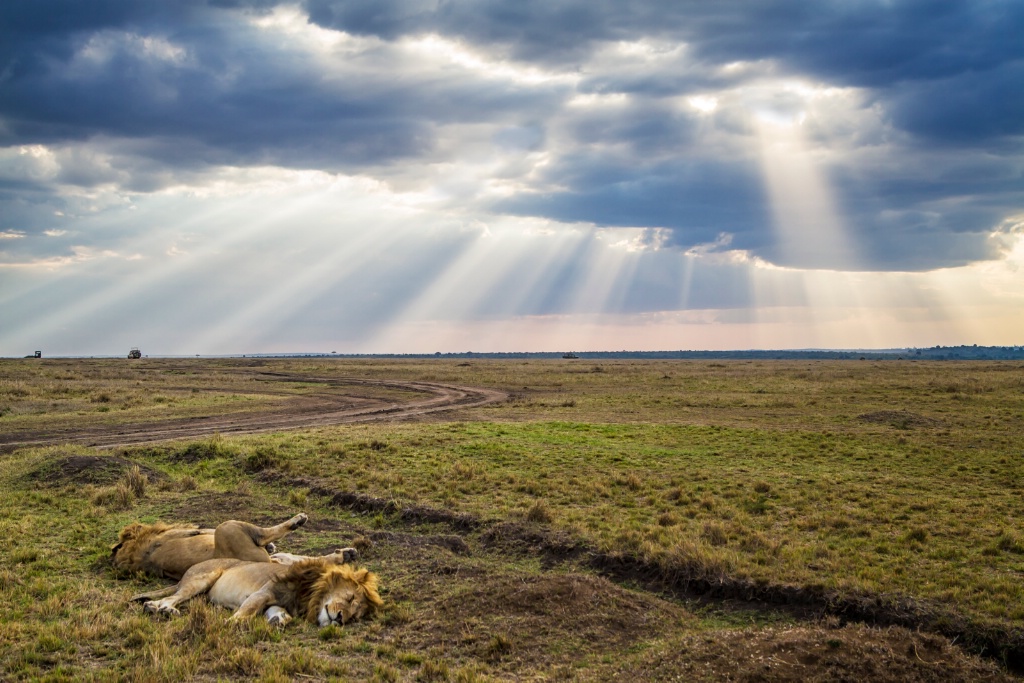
(316, 589)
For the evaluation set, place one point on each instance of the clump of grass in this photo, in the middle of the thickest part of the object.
(1010, 542)
(8, 579)
(714, 533)
(135, 480)
(461, 470)
(762, 487)
(758, 505)
(332, 632)
(204, 450)
(633, 482)
(396, 613)
(187, 483)
(917, 535)
(297, 498)
(539, 513)
(433, 670)
(260, 459)
(497, 647)
(694, 559)
(668, 519)
(118, 497)
(384, 673)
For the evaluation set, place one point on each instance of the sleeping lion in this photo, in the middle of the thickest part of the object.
(168, 550)
(316, 589)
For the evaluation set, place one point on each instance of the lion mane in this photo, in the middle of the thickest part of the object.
(319, 590)
(136, 541)
(304, 586)
(170, 549)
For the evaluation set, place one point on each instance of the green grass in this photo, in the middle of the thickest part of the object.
(879, 478)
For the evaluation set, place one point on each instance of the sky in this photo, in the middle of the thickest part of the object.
(384, 176)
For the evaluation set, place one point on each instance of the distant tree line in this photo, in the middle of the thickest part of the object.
(974, 352)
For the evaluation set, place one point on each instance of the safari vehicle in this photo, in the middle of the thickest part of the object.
(135, 353)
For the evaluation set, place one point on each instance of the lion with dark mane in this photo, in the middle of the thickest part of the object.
(168, 550)
(319, 590)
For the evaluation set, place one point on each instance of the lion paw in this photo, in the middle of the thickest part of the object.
(299, 520)
(157, 607)
(270, 548)
(349, 554)
(277, 616)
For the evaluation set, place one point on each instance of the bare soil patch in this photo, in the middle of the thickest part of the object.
(210, 509)
(89, 469)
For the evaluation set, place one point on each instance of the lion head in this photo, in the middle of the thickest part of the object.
(328, 593)
(135, 539)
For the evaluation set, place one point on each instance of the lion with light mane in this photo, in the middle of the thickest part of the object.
(320, 590)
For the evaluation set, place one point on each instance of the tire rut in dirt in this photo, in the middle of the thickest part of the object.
(321, 413)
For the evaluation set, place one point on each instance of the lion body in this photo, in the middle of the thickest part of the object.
(319, 590)
(167, 550)
(162, 550)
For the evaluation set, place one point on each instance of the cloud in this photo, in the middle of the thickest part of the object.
(720, 139)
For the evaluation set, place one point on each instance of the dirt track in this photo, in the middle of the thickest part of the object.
(338, 403)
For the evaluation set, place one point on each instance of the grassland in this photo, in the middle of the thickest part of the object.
(496, 530)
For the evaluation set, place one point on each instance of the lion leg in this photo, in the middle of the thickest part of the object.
(192, 584)
(339, 556)
(256, 603)
(153, 595)
(245, 541)
(276, 533)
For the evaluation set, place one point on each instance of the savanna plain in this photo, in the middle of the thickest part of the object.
(619, 520)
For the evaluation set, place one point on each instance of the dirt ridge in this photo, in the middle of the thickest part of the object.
(693, 580)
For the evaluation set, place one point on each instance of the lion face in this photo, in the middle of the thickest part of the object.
(343, 606)
(342, 595)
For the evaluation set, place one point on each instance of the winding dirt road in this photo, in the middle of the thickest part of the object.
(338, 403)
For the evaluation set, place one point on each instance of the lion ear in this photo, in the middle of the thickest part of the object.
(129, 532)
(367, 580)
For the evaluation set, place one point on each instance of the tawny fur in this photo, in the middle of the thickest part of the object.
(330, 579)
(303, 589)
(168, 550)
(137, 542)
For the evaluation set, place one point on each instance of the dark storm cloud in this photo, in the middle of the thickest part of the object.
(232, 98)
(888, 46)
(213, 91)
(699, 199)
